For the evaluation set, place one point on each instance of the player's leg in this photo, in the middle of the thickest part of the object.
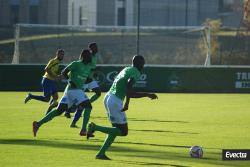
(86, 105)
(95, 88)
(56, 112)
(113, 106)
(116, 130)
(46, 84)
(77, 116)
(63, 105)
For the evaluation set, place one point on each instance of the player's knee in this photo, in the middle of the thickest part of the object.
(86, 105)
(61, 108)
(80, 108)
(46, 98)
(124, 132)
(55, 98)
(98, 92)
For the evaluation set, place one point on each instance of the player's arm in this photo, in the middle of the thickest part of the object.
(132, 94)
(65, 73)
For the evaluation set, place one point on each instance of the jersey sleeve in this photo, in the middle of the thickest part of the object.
(136, 75)
(71, 66)
(50, 64)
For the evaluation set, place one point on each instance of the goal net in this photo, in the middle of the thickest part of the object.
(36, 43)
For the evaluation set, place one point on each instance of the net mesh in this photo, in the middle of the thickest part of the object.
(159, 45)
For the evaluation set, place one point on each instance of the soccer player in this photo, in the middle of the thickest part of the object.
(113, 101)
(77, 73)
(90, 84)
(49, 82)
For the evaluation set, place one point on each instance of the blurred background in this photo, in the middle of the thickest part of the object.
(166, 32)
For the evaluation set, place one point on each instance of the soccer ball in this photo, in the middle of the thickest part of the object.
(196, 152)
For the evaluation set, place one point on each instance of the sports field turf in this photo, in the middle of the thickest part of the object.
(160, 132)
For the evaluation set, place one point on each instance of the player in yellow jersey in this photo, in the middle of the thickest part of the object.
(49, 82)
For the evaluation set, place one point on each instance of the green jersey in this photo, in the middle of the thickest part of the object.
(119, 86)
(78, 74)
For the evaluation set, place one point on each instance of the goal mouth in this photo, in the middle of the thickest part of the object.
(163, 45)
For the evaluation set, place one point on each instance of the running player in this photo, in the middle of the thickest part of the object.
(77, 73)
(90, 84)
(113, 101)
(49, 82)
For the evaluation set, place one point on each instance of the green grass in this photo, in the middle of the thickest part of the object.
(160, 132)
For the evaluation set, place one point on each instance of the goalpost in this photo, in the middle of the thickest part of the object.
(171, 45)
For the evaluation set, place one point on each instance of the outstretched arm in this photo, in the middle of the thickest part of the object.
(132, 94)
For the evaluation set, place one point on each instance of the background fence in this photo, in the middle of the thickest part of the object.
(229, 44)
(154, 78)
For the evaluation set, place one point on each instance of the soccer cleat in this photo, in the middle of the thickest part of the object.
(83, 133)
(90, 130)
(27, 98)
(73, 125)
(102, 157)
(35, 128)
(67, 115)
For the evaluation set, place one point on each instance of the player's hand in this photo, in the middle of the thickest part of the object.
(59, 77)
(152, 96)
(125, 108)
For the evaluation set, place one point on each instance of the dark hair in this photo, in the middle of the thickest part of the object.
(92, 44)
(59, 51)
(85, 56)
(138, 60)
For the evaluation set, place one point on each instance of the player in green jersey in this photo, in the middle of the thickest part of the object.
(113, 101)
(90, 84)
(77, 73)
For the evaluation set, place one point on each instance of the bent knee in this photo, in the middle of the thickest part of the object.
(47, 99)
(124, 132)
(85, 106)
(55, 98)
(98, 93)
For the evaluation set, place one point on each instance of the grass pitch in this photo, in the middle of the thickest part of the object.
(160, 132)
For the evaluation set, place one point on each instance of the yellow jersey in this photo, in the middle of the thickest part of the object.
(53, 65)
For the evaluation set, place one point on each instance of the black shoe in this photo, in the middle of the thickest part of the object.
(27, 98)
(102, 157)
(67, 115)
(90, 130)
(73, 126)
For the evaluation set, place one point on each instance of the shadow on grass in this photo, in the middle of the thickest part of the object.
(129, 152)
(162, 131)
(48, 143)
(150, 163)
(145, 120)
(151, 144)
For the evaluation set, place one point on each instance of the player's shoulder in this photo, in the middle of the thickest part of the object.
(132, 69)
(54, 61)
